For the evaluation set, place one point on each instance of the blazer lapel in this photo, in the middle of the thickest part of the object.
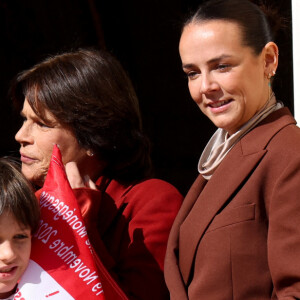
(226, 180)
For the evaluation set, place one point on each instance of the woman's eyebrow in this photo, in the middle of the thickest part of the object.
(211, 61)
(216, 59)
(188, 66)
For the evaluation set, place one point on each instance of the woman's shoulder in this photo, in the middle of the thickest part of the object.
(150, 186)
(155, 195)
(286, 132)
(153, 189)
(275, 133)
(286, 141)
(155, 185)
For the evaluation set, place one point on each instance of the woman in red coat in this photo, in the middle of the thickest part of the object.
(237, 234)
(84, 102)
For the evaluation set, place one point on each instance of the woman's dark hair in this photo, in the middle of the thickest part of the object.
(253, 21)
(88, 91)
(16, 194)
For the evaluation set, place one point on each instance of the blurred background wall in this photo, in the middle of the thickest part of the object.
(144, 36)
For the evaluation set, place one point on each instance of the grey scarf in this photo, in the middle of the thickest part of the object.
(221, 143)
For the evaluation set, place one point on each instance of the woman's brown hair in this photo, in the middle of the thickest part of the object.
(88, 91)
(259, 25)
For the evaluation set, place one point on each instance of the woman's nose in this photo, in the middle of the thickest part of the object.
(208, 84)
(24, 136)
(7, 253)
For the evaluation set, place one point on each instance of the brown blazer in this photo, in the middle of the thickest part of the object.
(237, 236)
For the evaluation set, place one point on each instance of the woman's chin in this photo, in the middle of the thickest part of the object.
(35, 180)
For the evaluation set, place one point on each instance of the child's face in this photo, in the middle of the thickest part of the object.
(15, 246)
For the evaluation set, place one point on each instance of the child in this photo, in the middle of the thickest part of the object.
(19, 217)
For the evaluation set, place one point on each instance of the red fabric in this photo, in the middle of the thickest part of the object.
(128, 227)
(61, 250)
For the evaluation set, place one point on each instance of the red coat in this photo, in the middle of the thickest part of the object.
(129, 226)
(237, 236)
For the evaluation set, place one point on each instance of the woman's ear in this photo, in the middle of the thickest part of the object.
(271, 54)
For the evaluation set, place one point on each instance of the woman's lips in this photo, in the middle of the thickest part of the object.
(26, 159)
(219, 106)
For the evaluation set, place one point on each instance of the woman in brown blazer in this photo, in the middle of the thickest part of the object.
(237, 234)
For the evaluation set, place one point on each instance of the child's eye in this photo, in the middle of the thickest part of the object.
(21, 236)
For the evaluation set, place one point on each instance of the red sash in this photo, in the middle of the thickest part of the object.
(62, 264)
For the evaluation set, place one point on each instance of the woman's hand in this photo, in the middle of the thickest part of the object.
(75, 179)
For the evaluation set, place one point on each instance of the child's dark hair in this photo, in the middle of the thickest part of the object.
(16, 194)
